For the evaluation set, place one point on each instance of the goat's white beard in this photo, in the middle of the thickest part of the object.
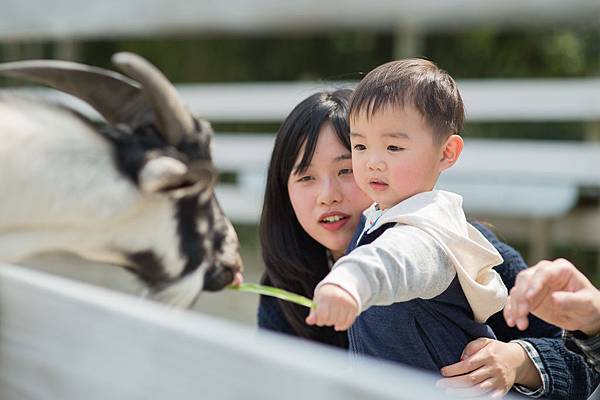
(183, 293)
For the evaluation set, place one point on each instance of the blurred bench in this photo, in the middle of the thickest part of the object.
(530, 190)
(520, 186)
(575, 99)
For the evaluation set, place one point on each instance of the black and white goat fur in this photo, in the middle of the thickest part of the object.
(136, 192)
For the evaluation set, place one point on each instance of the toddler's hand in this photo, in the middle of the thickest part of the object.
(334, 307)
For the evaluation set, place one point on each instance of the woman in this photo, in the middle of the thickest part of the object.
(308, 220)
(311, 208)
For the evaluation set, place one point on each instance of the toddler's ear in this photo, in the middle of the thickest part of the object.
(451, 150)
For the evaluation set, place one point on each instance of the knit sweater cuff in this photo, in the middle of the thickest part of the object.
(554, 364)
(539, 366)
(588, 346)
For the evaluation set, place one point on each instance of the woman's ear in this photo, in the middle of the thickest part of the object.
(451, 150)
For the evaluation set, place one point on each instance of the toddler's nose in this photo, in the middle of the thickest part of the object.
(376, 165)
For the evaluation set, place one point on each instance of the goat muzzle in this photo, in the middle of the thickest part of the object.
(219, 276)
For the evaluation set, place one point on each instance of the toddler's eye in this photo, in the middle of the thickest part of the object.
(394, 148)
(359, 147)
(345, 171)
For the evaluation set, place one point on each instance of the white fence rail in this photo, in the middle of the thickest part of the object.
(576, 99)
(555, 100)
(496, 177)
(506, 181)
(72, 19)
(65, 340)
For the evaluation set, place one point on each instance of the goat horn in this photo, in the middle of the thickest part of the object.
(117, 98)
(172, 116)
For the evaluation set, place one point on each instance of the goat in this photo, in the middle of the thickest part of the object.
(136, 192)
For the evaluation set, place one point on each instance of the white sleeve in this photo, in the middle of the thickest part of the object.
(402, 264)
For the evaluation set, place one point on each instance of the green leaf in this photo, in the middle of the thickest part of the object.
(273, 292)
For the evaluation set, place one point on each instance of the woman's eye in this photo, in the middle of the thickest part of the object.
(304, 178)
(359, 147)
(394, 148)
(345, 171)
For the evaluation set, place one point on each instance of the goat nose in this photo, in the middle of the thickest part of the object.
(220, 275)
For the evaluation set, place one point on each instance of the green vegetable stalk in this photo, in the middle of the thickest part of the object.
(273, 292)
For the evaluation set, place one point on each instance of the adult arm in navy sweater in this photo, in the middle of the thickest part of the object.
(569, 375)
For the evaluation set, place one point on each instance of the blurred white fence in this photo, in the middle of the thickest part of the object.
(531, 190)
(65, 340)
(73, 19)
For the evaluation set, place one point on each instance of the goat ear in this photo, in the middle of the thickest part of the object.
(173, 177)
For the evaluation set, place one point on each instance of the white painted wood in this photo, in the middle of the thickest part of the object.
(529, 161)
(528, 178)
(574, 99)
(26, 19)
(516, 200)
(581, 227)
(65, 340)
(482, 160)
(497, 178)
(517, 184)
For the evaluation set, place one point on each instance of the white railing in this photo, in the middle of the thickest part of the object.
(538, 182)
(575, 99)
(529, 178)
(555, 100)
(72, 19)
(522, 186)
(528, 189)
(64, 340)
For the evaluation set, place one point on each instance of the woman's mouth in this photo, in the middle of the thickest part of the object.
(333, 222)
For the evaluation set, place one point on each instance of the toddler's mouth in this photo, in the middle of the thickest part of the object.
(377, 185)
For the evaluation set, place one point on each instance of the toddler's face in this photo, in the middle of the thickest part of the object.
(394, 155)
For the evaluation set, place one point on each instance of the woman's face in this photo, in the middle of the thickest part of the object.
(325, 198)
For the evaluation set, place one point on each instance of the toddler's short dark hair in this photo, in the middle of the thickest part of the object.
(413, 82)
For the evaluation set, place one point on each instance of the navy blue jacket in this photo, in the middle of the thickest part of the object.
(570, 376)
(423, 333)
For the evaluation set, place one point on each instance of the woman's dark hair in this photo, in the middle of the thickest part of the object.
(293, 260)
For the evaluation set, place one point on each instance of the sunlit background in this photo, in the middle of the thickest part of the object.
(529, 72)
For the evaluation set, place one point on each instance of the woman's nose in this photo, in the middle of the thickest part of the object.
(330, 193)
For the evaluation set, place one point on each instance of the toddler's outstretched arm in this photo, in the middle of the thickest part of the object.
(334, 307)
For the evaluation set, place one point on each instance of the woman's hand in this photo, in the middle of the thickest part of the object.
(489, 367)
(334, 307)
(556, 292)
